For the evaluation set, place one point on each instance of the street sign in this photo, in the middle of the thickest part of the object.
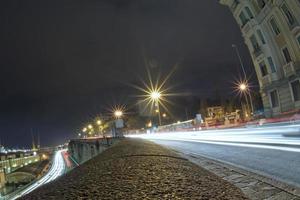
(119, 123)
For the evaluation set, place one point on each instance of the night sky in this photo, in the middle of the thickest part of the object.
(63, 61)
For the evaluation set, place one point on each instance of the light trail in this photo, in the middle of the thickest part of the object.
(56, 170)
(269, 137)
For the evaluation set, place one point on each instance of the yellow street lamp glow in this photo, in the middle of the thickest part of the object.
(118, 113)
(90, 126)
(164, 115)
(157, 111)
(149, 124)
(84, 130)
(99, 122)
(243, 86)
(155, 95)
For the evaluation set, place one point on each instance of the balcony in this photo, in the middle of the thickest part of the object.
(289, 69)
(257, 51)
(263, 13)
(234, 5)
(265, 80)
(248, 26)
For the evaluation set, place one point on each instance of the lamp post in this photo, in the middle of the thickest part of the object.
(155, 96)
(240, 59)
(244, 87)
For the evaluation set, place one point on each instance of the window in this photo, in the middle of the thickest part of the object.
(295, 85)
(290, 18)
(298, 38)
(274, 26)
(261, 3)
(254, 43)
(286, 55)
(243, 18)
(261, 37)
(249, 13)
(263, 69)
(274, 99)
(271, 63)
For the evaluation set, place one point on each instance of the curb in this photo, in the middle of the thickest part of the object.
(272, 189)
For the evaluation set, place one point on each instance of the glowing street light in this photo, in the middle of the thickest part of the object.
(243, 87)
(155, 95)
(90, 126)
(118, 113)
(84, 129)
(156, 92)
(99, 122)
(164, 115)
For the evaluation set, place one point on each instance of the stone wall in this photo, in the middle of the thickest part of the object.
(82, 150)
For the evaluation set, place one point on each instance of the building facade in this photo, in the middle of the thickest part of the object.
(271, 30)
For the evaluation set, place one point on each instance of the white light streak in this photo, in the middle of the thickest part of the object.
(269, 137)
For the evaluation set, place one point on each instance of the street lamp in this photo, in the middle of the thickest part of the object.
(99, 122)
(118, 113)
(155, 96)
(244, 89)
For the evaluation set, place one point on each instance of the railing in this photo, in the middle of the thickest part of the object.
(234, 5)
(263, 13)
(265, 80)
(257, 51)
(289, 69)
(248, 25)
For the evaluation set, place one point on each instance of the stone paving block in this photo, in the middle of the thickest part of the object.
(253, 187)
(251, 194)
(281, 196)
(232, 177)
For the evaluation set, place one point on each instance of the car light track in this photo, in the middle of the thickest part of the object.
(55, 171)
(270, 137)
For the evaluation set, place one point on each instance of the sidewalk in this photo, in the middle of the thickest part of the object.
(137, 169)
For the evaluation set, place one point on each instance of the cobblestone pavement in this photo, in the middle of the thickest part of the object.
(254, 186)
(136, 169)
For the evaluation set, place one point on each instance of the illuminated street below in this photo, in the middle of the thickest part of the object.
(56, 170)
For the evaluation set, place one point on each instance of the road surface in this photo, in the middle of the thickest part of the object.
(263, 150)
(57, 169)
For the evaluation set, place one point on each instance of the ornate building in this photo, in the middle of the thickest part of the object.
(271, 30)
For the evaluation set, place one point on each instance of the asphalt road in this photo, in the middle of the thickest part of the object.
(265, 150)
(278, 164)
